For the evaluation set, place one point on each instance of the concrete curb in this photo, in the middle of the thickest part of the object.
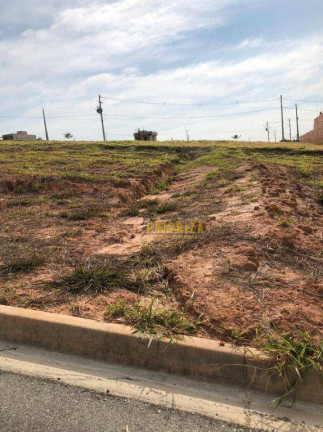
(115, 343)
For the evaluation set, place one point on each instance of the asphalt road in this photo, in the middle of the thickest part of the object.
(29, 404)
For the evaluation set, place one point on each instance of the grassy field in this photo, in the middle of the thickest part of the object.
(74, 236)
(76, 161)
(75, 239)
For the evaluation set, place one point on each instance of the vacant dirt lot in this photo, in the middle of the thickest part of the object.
(74, 238)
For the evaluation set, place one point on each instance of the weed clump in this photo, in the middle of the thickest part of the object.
(163, 184)
(133, 210)
(154, 320)
(23, 264)
(152, 207)
(296, 354)
(212, 175)
(104, 278)
(81, 214)
(160, 208)
(285, 222)
(319, 199)
(236, 336)
(92, 280)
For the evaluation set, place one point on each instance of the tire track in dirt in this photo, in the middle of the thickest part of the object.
(265, 273)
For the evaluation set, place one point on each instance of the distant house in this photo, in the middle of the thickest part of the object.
(143, 135)
(19, 136)
(315, 135)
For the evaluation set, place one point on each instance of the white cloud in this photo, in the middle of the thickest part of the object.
(102, 36)
(99, 47)
(251, 43)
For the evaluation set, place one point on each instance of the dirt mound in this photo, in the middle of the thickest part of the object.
(269, 272)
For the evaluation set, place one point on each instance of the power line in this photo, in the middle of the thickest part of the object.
(188, 103)
(220, 115)
(148, 117)
(60, 111)
(40, 117)
(190, 117)
(305, 109)
(213, 131)
(303, 100)
(154, 117)
(301, 109)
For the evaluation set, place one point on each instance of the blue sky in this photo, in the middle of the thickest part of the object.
(60, 56)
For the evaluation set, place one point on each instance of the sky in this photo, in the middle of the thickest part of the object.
(211, 69)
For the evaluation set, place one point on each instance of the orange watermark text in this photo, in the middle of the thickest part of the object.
(192, 227)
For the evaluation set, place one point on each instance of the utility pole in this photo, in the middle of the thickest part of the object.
(297, 128)
(282, 117)
(99, 110)
(275, 135)
(267, 129)
(290, 130)
(46, 132)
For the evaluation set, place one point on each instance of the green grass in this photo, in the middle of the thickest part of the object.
(285, 222)
(319, 198)
(154, 320)
(306, 164)
(149, 255)
(154, 253)
(81, 214)
(221, 158)
(213, 175)
(297, 354)
(235, 335)
(305, 160)
(81, 162)
(148, 204)
(115, 161)
(152, 207)
(97, 279)
(291, 355)
(183, 194)
(155, 207)
(162, 184)
(132, 211)
(92, 280)
(24, 264)
(24, 202)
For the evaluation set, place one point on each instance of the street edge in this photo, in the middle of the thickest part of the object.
(191, 356)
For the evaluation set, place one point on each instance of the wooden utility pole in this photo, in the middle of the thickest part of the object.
(99, 110)
(290, 130)
(297, 128)
(282, 117)
(267, 129)
(46, 132)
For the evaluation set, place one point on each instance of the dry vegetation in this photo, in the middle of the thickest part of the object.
(74, 237)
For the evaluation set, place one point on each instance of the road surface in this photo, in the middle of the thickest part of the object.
(29, 404)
